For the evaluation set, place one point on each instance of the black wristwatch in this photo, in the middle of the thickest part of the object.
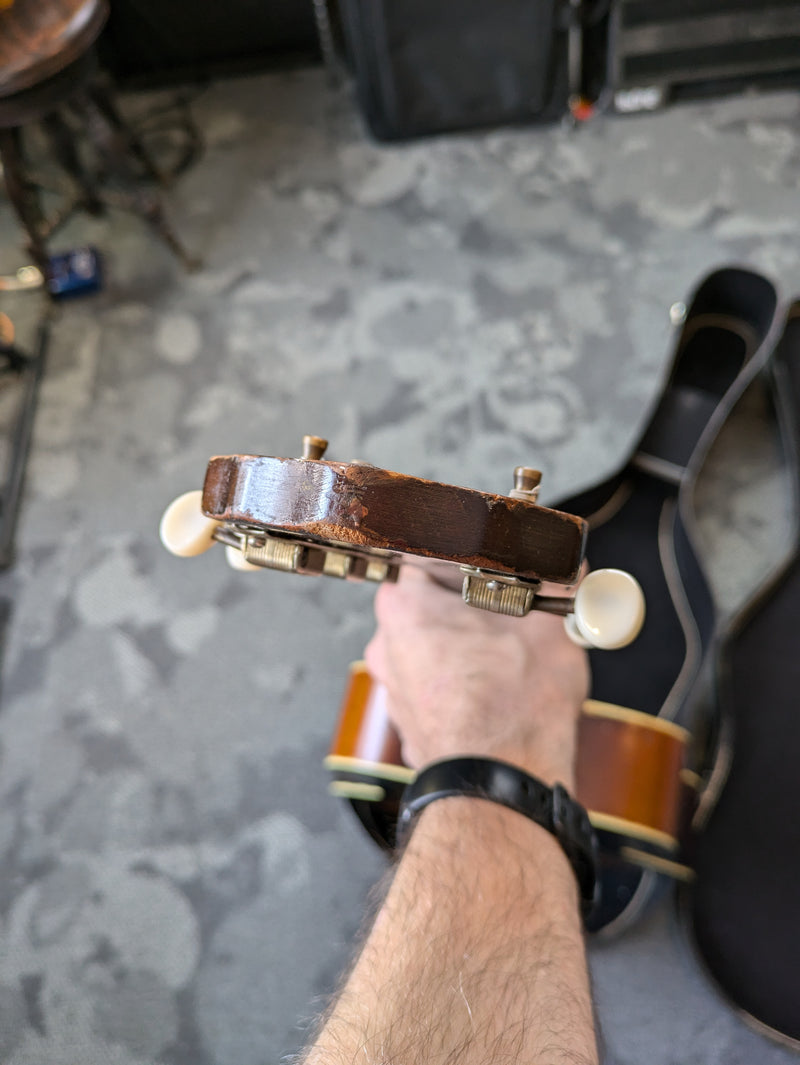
(488, 778)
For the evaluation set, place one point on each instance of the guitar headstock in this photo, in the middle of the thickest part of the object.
(355, 521)
(352, 520)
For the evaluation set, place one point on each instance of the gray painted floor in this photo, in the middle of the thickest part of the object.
(175, 884)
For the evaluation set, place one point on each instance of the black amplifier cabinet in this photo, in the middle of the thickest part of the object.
(431, 66)
(665, 50)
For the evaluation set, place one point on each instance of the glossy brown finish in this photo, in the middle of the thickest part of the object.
(364, 731)
(6, 331)
(373, 509)
(39, 38)
(628, 768)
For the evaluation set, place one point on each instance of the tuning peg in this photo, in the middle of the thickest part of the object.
(527, 482)
(608, 611)
(314, 447)
(185, 530)
(236, 560)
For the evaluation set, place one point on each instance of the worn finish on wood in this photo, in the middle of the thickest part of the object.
(40, 38)
(373, 509)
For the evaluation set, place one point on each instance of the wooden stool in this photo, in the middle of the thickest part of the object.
(48, 70)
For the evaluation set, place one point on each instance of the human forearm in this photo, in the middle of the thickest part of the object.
(476, 955)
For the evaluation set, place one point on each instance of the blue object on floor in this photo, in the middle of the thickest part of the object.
(75, 273)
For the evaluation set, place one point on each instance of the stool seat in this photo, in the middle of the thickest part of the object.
(39, 38)
(31, 105)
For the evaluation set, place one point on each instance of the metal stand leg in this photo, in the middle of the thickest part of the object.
(65, 150)
(24, 196)
(113, 148)
(31, 370)
(104, 103)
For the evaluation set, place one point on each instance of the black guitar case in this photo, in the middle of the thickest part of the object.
(744, 907)
(429, 66)
(642, 520)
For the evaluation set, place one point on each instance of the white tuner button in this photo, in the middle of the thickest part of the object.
(609, 610)
(236, 560)
(185, 530)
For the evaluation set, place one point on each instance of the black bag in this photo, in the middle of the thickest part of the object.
(743, 905)
(429, 66)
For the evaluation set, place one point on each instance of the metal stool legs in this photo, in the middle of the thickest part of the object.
(112, 139)
(24, 196)
(62, 141)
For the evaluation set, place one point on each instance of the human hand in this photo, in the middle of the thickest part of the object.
(462, 681)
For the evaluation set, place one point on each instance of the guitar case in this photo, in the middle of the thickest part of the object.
(429, 66)
(744, 906)
(642, 518)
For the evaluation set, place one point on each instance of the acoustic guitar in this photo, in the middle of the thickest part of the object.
(632, 777)
(355, 521)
